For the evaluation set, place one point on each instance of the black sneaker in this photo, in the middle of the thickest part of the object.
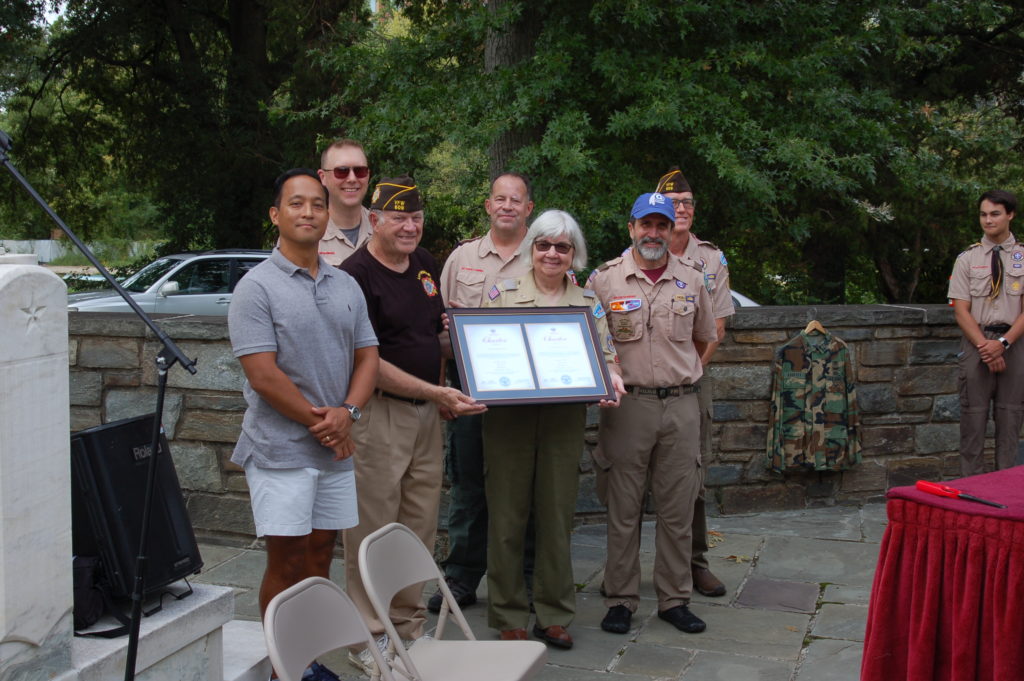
(463, 594)
(617, 620)
(682, 619)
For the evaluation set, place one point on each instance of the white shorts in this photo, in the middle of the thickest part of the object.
(292, 502)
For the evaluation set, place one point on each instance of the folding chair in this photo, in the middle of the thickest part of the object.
(393, 558)
(309, 619)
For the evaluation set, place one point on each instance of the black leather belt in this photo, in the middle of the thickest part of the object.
(662, 393)
(998, 328)
(402, 398)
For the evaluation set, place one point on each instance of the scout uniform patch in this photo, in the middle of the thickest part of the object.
(627, 304)
(428, 283)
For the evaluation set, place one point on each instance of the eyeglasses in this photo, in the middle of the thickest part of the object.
(686, 203)
(545, 246)
(341, 172)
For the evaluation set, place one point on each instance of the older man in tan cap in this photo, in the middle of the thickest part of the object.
(398, 435)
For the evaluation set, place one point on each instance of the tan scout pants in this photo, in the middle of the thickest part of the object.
(398, 479)
(979, 388)
(700, 518)
(663, 436)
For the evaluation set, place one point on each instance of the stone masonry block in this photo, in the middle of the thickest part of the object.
(877, 440)
(725, 411)
(748, 499)
(908, 471)
(900, 332)
(716, 476)
(864, 477)
(926, 380)
(769, 337)
(122, 379)
(852, 335)
(216, 402)
(882, 353)
(84, 417)
(198, 466)
(72, 351)
(124, 404)
(221, 513)
(932, 438)
(746, 436)
(741, 382)
(874, 374)
(934, 351)
(86, 388)
(236, 483)
(726, 354)
(211, 426)
(914, 404)
(586, 498)
(876, 398)
(946, 408)
(108, 353)
(216, 368)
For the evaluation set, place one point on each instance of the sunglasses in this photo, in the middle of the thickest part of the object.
(341, 172)
(545, 246)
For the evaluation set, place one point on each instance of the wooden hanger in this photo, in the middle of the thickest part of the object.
(814, 325)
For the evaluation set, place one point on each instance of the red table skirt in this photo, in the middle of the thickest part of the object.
(946, 604)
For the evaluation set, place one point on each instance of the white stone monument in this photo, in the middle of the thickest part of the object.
(35, 476)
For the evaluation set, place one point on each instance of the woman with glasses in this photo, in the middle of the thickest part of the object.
(531, 452)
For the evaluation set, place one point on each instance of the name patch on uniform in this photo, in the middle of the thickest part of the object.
(711, 276)
(598, 311)
(680, 284)
(1017, 265)
(471, 269)
(494, 292)
(624, 304)
(429, 287)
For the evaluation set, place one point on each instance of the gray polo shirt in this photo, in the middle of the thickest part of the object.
(314, 327)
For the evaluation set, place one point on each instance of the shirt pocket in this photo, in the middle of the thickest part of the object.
(469, 287)
(626, 326)
(681, 314)
(1013, 282)
(980, 284)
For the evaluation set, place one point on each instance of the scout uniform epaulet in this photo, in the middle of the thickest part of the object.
(976, 244)
(710, 245)
(470, 240)
(690, 262)
(588, 293)
(613, 261)
(509, 284)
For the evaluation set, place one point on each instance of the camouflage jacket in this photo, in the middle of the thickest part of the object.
(814, 423)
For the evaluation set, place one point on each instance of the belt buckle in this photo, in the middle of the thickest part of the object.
(662, 393)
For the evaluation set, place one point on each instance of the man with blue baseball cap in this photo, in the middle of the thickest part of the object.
(660, 319)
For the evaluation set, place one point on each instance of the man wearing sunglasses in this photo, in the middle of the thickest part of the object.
(470, 276)
(661, 320)
(684, 243)
(346, 175)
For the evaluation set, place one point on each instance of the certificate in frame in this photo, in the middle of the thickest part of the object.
(529, 355)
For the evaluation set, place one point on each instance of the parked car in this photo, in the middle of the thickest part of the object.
(185, 283)
(740, 300)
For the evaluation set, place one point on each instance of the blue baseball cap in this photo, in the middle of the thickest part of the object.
(646, 204)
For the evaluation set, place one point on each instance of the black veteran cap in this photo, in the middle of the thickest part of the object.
(397, 193)
(673, 181)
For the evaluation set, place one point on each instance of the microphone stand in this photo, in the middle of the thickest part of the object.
(168, 355)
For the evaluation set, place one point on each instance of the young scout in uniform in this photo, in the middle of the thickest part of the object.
(346, 175)
(398, 440)
(986, 290)
(300, 330)
(468, 279)
(661, 318)
(685, 243)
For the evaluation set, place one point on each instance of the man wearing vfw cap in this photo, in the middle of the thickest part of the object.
(660, 316)
(346, 175)
(398, 438)
(987, 290)
(685, 243)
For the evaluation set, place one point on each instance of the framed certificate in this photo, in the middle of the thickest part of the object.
(529, 355)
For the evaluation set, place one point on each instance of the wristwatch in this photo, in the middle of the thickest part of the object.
(1006, 343)
(355, 412)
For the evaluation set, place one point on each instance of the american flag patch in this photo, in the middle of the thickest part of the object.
(494, 292)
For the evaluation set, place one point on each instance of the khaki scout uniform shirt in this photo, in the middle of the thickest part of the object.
(335, 247)
(472, 270)
(522, 292)
(972, 280)
(654, 325)
(716, 273)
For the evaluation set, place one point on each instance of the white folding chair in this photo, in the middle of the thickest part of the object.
(393, 558)
(309, 619)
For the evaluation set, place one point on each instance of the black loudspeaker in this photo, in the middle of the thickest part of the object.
(108, 489)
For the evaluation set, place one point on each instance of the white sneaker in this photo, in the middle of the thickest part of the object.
(364, 658)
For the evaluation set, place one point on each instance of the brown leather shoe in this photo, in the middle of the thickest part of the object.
(555, 635)
(513, 635)
(706, 583)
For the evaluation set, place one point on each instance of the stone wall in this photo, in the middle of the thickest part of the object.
(904, 359)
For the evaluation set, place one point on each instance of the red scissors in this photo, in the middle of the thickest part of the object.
(947, 491)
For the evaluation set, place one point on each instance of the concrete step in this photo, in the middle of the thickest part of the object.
(245, 652)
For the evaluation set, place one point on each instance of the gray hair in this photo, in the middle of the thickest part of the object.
(551, 224)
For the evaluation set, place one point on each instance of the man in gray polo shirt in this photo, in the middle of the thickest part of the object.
(301, 332)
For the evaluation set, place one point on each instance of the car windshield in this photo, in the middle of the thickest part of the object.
(148, 275)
